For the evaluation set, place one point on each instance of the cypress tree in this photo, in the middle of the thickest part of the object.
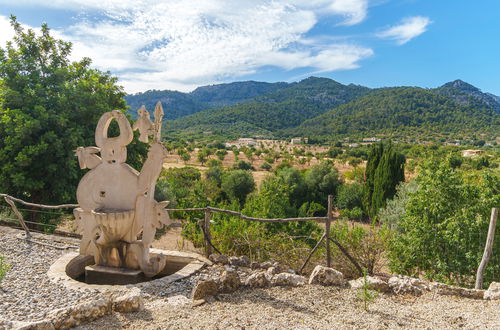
(384, 171)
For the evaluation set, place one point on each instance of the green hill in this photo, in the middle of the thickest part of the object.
(178, 104)
(402, 111)
(285, 108)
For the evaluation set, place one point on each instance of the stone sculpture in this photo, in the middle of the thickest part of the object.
(117, 202)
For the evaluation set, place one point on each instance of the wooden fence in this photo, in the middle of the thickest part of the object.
(209, 247)
(204, 226)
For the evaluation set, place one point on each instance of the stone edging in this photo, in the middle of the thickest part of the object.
(57, 272)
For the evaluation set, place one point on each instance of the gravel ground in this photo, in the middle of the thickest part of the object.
(309, 307)
(26, 293)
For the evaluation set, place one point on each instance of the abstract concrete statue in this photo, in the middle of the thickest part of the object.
(117, 202)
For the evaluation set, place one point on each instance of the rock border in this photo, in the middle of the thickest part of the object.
(57, 272)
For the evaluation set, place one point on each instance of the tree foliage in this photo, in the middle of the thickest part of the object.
(384, 171)
(443, 228)
(48, 107)
(238, 184)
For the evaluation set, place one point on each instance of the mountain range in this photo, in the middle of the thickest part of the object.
(323, 108)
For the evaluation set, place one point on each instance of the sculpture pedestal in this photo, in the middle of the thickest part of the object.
(96, 274)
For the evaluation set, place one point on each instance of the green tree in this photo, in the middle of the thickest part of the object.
(266, 166)
(350, 196)
(322, 180)
(237, 185)
(48, 107)
(243, 165)
(443, 227)
(384, 171)
(221, 154)
(202, 156)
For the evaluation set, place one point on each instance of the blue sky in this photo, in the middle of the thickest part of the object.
(182, 44)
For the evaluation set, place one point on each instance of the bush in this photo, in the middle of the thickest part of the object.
(221, 154)
(334, 152)
(322, 180)
(350, 196)
(390, 216)
(352, 214)
(366, 245)
(237, 185)
(266, 166)
(356, 174)
(243, 165)
(443, 228)
(4, 268)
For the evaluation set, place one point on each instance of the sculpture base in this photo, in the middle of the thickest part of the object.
(96, 274)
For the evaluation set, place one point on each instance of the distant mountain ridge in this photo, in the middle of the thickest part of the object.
(402, 111)
(321, 107)
(178, 104)
(466, 94)
(281, 109)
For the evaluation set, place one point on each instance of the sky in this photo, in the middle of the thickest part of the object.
(183, 44)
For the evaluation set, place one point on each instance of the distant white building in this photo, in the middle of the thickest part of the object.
(242, 142)
(371, 139)
(471, 152)
(298, 140)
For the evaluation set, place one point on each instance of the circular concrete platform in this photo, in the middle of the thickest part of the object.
(70, 267)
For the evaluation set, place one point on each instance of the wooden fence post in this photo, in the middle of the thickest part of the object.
(208, 234)
(487, 249)
(19, 216)
(327, 230)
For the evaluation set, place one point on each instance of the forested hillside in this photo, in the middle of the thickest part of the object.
(466, 94)
(284, 108)
(178, 104)
(403, 111)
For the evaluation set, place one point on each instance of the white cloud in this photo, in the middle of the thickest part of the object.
(409, 28)
(181, 44)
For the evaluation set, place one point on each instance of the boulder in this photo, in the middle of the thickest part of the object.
(242, 261)
(84, 312)
(326, 276)
(204, 289)
(37, 325)
(229, 281)
(130, 302)
(407, 285)
(257, 280)
(493, 292)
(266, 265)
(255, 265)
(449, 290)
(219, 259)
(287, 279)
(374, 282)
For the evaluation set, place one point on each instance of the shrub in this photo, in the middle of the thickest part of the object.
(243, 165)
(365, 244)
(352, 214)
(390, 216)
(365, 294)
(356, 174)
(322, 180)
(4, 268)
(350, 196)
(443, 228)
(237, 185)
(266, 166)
(221, 154)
